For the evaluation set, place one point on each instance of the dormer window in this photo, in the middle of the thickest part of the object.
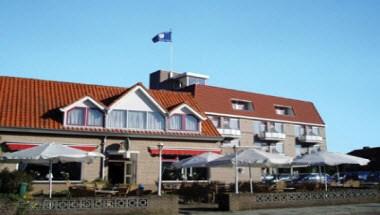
(242, 105)
(284, 110)
(185, 122)
(82, 116)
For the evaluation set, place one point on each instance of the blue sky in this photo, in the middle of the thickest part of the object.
(324, 51)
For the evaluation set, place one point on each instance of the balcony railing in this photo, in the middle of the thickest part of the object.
(310, 138)
(272, 135)
(229, 132)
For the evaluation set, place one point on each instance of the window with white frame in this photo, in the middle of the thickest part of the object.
(191, 123)
(175, 122)
(284, 110)
(230, 123)
(186, 122)
(136, 120)
(276, 127)
(156, 121)
(117, 119)
(82, 116)
(242, 105)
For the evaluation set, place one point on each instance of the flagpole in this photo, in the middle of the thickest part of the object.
(171, 52)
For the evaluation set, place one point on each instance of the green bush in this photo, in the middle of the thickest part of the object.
(10, 181)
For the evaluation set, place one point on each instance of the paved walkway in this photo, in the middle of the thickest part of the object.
(357, 209)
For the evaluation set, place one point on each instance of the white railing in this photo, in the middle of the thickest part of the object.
(310, 138)
(229, 132)
(272, 136)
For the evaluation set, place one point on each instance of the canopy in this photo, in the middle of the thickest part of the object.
(323, 158)
(197, 161)
(50, 153)
(252, 158)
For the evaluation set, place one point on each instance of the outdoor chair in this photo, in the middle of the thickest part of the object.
(123, 190)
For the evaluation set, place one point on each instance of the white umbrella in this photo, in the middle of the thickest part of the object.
(50, 153)
(324, 158)
(196, 161)
(251, 158)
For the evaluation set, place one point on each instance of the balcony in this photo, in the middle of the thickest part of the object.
(228, 132)
(310, 138)
(272, 136)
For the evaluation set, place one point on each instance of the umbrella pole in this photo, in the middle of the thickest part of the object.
(325, 179)
(320, 174)
(250, 179)
(50, 178)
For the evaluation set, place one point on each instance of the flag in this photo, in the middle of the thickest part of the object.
(163, 37)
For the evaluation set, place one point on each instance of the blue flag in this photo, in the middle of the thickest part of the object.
(163, 37)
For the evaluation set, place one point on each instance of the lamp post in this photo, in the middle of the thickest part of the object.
(236, 171)
(160, 147)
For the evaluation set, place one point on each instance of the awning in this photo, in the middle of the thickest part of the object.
(13, 146)
(154, 151)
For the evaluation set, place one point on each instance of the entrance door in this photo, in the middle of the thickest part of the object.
(123, 171)
(116, 172)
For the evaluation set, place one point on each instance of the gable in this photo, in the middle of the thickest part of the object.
(186, 109)
(85, 102)
(137, 99)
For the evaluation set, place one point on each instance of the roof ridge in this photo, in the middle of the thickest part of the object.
(65, 82)
(244, 91)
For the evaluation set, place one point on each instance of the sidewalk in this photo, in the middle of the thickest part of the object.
(359, 209)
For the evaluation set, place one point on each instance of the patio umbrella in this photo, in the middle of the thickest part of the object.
(196, 161)
(50, 153)
(251, 158)
(324, 158)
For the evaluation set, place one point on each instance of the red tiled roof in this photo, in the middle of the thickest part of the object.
(32, 103)
(218, 100)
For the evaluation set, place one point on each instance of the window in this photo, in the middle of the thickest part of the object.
(156, 121)
(183, 122)
(175, 122)
(172, 174)
(136, 119)
(215, 120)
(82, 116)
(284, 110)
(191, 123)
(61, 171)
(193, 80)
(276, 127)
(279, 148)
(315, 130)
(230, 123)
(75, 116)
(299, 130)
(260, 127)
(118, 119)
(298, 150)
(95, 117)
(242, 105)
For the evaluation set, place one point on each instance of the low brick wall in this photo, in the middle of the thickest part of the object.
(99, 206)
(248, 201)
